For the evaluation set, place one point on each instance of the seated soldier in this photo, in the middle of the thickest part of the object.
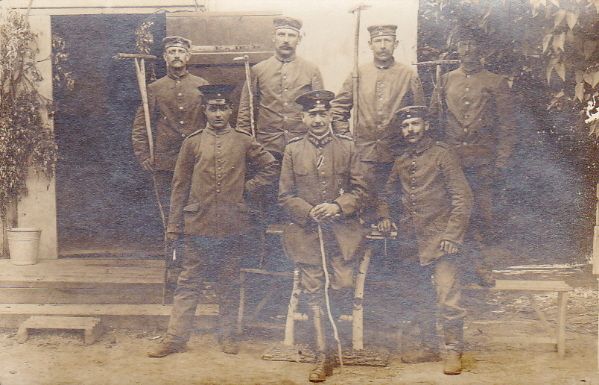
(437, 199)
(322, 185)
(208, 209)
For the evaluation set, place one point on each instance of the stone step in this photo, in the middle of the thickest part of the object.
(90, 325)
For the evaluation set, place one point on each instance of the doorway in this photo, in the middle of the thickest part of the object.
(105, 202)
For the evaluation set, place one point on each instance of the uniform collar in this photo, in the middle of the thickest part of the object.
(320, 142)
(212, 131)
(177, 77)
(286, 60)
(418, 148)
(472, 71)
(384, 66)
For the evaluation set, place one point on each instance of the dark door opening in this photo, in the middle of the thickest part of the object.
(105, 202)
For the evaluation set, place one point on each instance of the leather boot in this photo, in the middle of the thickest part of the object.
(453, 363)
(323, 367)
(166, 348)
(454, 341)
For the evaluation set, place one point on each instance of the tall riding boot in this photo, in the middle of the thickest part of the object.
(322, 369)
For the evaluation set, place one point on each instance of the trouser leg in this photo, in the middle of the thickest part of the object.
(448, 288)
(188, 290)
(163, 180)
(231, 251)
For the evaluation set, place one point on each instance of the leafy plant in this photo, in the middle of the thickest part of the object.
(26, 138)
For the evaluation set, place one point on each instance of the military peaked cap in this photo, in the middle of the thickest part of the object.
(287, 22)
(315, 99)
(216, 93)
(410, 112)
(176, 41)
(382, 30)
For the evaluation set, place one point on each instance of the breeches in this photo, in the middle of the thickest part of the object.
(312, 278)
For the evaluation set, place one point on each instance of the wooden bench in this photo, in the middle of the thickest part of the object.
(90, 326)
(561, 288)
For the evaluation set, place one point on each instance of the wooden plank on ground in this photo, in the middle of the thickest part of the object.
(124, 310)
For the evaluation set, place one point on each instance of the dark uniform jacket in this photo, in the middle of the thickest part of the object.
(479, 121)
(210, 182)
(434, 193)
(275, 85)
(316, 171)
(382, 91)
(175, 112)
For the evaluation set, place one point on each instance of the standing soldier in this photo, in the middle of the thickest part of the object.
(437, 200)
(276, 82)
(322, 184)
(475, 110)
(208, 209)
(174, 102)
(384, 87)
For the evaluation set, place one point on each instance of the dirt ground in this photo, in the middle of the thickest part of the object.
(119, 356)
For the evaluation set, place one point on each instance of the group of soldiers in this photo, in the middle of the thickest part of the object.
(398, 168)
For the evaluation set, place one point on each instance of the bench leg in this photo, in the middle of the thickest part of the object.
(241, 309)
(358, 303)
(22, 335)
(90, 335)
(291, 310)
(562, 304)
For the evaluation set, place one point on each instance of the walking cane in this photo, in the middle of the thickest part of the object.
(248, 83)
(357, 10)
(326, 294)
(140, 71)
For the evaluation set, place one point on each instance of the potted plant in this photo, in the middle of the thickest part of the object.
(26, 138)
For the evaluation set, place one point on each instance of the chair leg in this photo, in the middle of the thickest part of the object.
(358, 303)
(292, 309)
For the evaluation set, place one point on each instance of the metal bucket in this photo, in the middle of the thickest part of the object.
(23, 245)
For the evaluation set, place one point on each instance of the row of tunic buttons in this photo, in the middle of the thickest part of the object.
(218, 176)
(413, 179)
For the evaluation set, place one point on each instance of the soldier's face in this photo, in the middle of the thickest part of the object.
(413, 129)
(383, 47)
(176, 57)
(286, 41)
(218, 115)
(469, 51)
(318, 121)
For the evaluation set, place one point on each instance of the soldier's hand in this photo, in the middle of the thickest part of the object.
(385, 226)
(172, 236)
(448, 247)
(147, 165)
(325, 211)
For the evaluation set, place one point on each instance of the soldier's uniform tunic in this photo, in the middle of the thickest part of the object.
(315, 171)
(437, 201)
(480, 126)
(382, 92)
(208, 207)
(175, 112)
(276, 82)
